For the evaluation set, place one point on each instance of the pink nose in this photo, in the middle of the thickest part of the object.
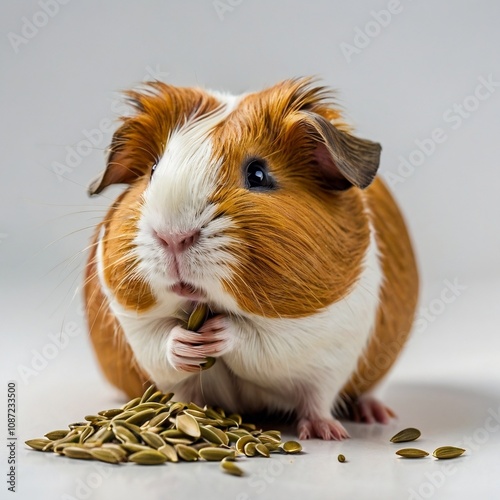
(179, 242)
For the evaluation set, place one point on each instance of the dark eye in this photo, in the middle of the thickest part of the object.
(257, 176)
(153, 168)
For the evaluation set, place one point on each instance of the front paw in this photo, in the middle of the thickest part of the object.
(187, 350)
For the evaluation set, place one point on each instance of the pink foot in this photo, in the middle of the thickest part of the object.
(369, 410)
(323, 428)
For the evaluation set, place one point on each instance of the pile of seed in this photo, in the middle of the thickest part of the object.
(153, 429)
(411, 434)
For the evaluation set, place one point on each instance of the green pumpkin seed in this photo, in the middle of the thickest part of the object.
(188, 425)
(77, 452)
(411, 453)
(208, 433)
(150, 457)
(169, 451)
(159, 419)
(105, 455)
(155, 397)
(216, 454)
(125, 435)
(241, 443)
(110, 413)
(187, 453)
(55, 435)
(231, 468)
(447, 452)
(152, 439)
(86, 433)
(236, 417)
(142, 416)
(94, 418)
(148, 393)
(406, 435)
(197, 317)
(341, 458)
(134, 447)
(262, 450)
(291, 447)
(39, 444)
(250, 449)
(131, 404)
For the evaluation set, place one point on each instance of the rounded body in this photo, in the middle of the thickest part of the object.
(313, 295)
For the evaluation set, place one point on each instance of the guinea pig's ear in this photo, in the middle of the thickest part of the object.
(344, 160)
(118, 169)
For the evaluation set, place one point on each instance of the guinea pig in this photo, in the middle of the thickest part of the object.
(266, 207)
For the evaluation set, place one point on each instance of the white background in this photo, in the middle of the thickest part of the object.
(60, 80)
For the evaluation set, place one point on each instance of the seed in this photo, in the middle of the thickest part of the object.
(268, 439)
(341, 458)
(231, 468)
(77, 425)
(262, 450)
(55, 435)
(248, 427)
(208, 363)
(149, 392)
(406, 435)
(195, 413)
(188, 424)
(210, 434)
(197, 317)
(86, 433)
(159, 419)
(411, 453)
(232, 436)
(142, 416)
(291, 447)
(169, 451)
(216, 454)
(77, 452)
(186, 453)
(152, 439)
(134, 447)
(116, 449)
(105, 455)
(103, 435)
(249, 449)
(131, 404)
(150, 457)
(237, 417)
(276, 435)
(155, 397)
(110, 413)
(38, 444)
(94, 418)
(59, 448)
(272, 447)
(240, 432)
(166, 398)
(446, 452)
(123, 415)
(241, 443)
(176, 408)
(125, 436)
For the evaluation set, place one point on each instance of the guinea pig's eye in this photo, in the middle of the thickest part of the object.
(257, 176)
(153, 168)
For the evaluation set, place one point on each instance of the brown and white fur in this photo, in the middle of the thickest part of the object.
(311, 276)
